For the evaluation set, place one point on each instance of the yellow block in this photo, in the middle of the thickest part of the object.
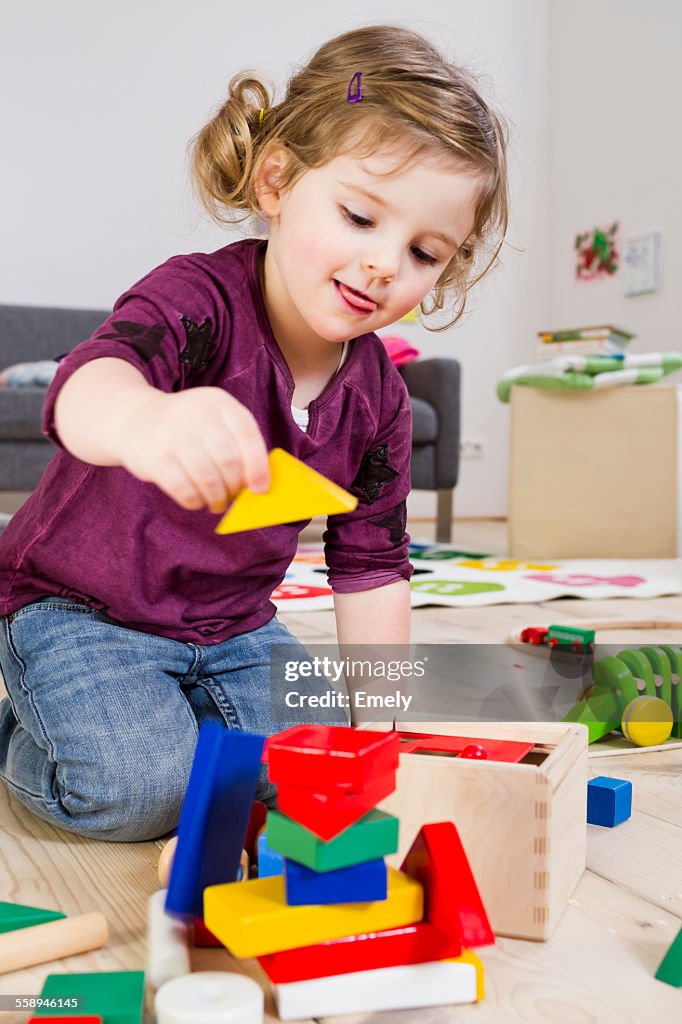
(411, 316)
(296, 492)
(468, 956)
(253, 918)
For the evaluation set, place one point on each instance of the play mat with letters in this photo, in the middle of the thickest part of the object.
(446, 576)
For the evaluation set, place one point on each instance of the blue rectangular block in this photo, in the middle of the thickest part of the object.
(360, 883)
(215, 815)
(609, 801)
(270, 862)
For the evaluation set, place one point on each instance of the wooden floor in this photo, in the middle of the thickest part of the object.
(600, 963)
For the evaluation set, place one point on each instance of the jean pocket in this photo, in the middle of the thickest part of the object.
(52, 604)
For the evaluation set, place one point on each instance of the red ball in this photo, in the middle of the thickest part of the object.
(475, 750)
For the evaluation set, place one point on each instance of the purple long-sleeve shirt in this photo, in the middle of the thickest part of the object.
(101, 536)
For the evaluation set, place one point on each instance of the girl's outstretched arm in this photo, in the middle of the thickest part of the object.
(200, 446)
(378, 616)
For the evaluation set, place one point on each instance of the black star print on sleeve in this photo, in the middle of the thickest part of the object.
(373, 474)
(395, 522)
(197, 350)
(145, 339)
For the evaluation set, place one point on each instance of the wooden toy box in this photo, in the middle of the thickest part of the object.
(523, 825)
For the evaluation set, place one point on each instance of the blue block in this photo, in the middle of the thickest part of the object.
(215, 815)
(270, 862)
(360, 883)
(609, 801)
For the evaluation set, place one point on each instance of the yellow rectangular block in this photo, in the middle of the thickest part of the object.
(253, 918)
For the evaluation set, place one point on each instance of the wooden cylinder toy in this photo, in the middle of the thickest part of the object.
(243, 867)
(27, 947)
(210, 997)
(165, 864)
(167, 943)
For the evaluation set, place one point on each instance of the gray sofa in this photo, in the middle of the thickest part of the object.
(31, 333)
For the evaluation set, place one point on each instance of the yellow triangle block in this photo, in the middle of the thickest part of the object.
(296, 492)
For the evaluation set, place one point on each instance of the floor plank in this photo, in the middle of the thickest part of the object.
(598, 966)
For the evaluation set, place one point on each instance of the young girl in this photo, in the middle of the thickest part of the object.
(127, 620)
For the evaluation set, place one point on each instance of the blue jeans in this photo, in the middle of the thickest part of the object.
(98, 732)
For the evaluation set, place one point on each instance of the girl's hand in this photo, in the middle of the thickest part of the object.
(201, 446)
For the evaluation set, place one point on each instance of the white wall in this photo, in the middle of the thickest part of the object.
(616, 154)
(104, 97)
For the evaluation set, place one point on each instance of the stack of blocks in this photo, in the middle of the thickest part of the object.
(338, 931)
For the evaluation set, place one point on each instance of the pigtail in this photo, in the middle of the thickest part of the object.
(224, 151)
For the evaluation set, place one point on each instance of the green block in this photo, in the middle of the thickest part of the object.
(14, 916)
(116, 996)
(670, 970)
(374, 836)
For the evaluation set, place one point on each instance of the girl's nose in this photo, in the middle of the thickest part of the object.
(381, 265)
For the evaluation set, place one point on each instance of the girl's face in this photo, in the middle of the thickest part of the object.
(341, 230)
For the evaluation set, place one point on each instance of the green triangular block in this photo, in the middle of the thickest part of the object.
(115, 996)
(670, 970)
(14, 916)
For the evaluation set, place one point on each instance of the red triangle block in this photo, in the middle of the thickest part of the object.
(452, 901)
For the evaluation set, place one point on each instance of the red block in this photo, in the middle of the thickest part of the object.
(512, 751)
(327, 814)
(202, 937)
(413, 944)
(452, 901)
(259, 813)
(64, 1019)
(326, 756)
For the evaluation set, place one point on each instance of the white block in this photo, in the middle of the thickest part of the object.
(209, 997)
(168, 943)
(441, 983)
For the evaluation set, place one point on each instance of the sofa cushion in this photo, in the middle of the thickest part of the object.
(424, 422)
(21, 411)
(36, 332)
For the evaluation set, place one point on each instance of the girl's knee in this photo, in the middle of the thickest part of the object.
(126, 802)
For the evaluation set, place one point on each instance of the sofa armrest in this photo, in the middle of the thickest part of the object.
(437, 381)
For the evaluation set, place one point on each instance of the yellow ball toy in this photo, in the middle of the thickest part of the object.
(647, 721)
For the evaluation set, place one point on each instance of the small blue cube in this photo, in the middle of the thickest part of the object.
(609, 801)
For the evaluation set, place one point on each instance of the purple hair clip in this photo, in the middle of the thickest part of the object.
(355, 97)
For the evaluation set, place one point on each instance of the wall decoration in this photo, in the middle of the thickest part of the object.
(597, 253)
(641, 262)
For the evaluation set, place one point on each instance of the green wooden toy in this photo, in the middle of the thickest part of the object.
(670, 970)
(674, 655)
(602, 706)
(373, 836)
(115, 996)
(14, 916)
(641, 669)
(571, 636)
(661, 666)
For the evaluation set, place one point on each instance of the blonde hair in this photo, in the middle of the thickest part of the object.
(415, 103)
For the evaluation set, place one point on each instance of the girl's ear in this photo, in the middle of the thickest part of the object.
(267, 178)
